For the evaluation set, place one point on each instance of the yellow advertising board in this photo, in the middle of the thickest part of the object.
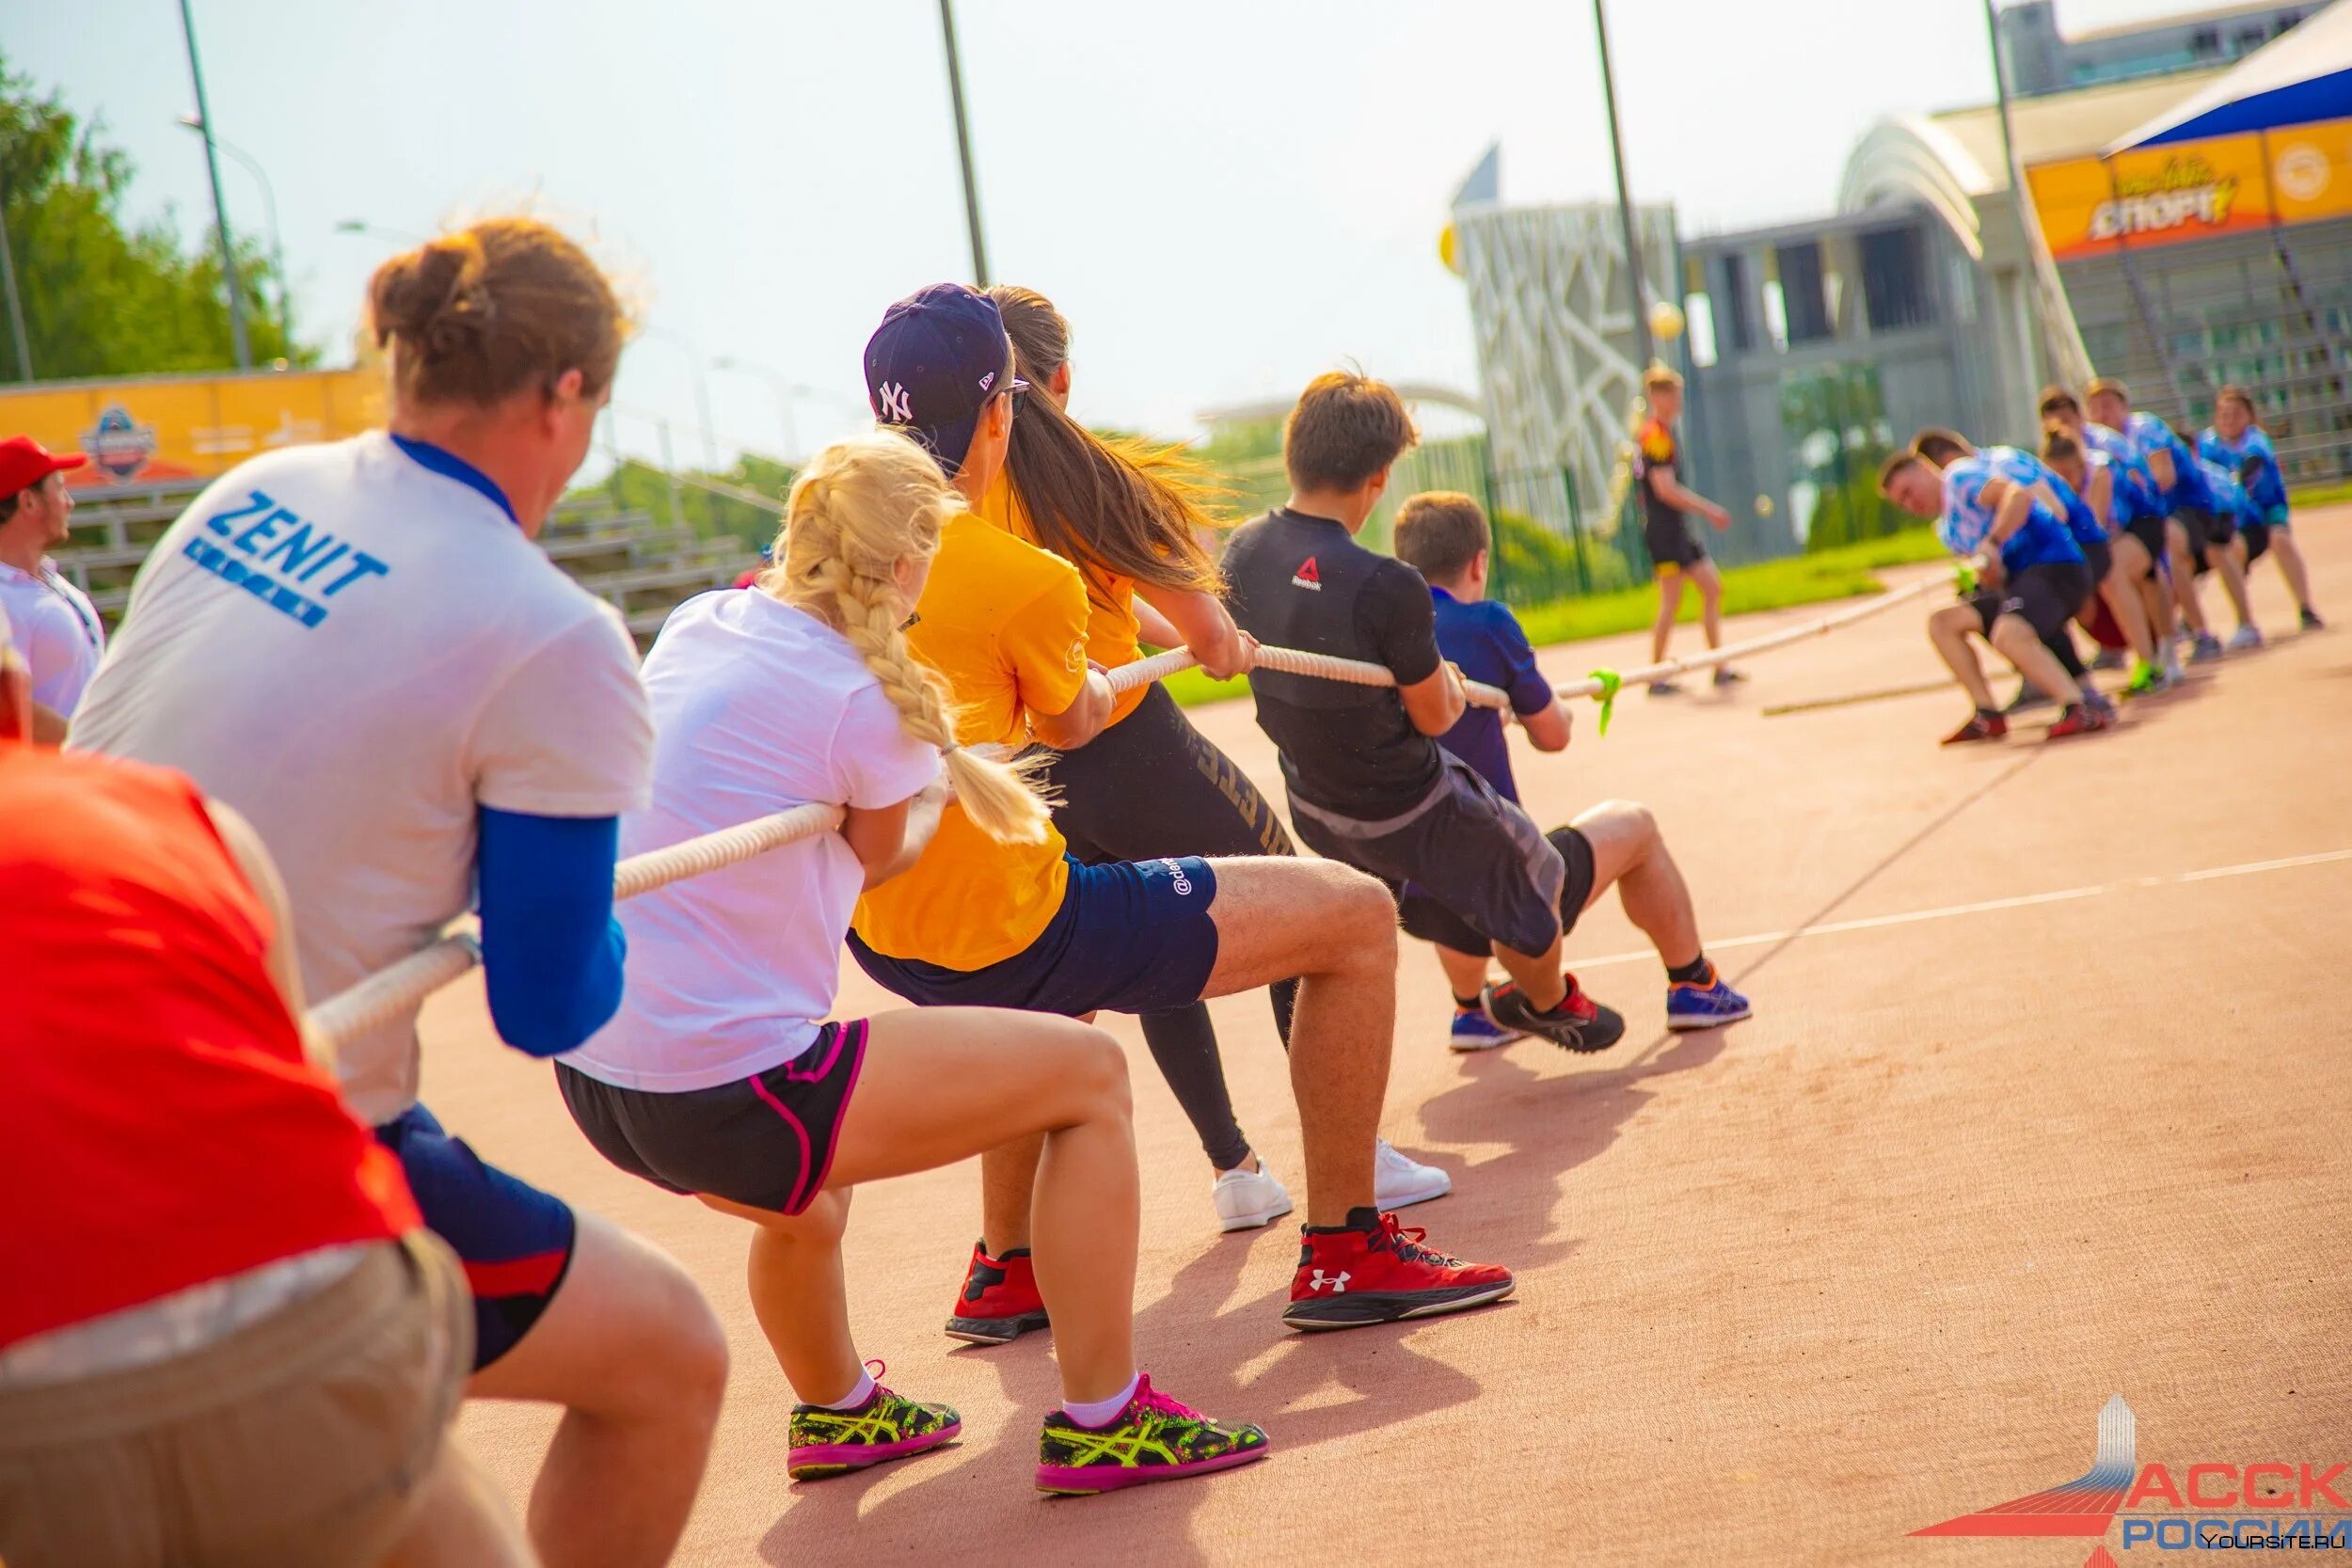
(160, 428)
(2194, 190)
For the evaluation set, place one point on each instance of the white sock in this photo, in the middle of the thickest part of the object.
(855, 1397)
(1099, 1412)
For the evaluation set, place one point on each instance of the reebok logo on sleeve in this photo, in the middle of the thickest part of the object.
(1307, 577)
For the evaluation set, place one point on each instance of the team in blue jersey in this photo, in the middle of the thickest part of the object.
(2109, 525)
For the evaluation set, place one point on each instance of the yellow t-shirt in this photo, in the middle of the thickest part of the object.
(1005, 623)
(1113, 634)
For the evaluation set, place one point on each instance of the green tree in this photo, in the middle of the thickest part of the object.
(102, 295)
(635, 486)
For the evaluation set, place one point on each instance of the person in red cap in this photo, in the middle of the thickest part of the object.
(57, 627)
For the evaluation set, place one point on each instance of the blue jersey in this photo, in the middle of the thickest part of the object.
(2149, 436)
(1483, 637)
(2230, 498)
(1967, 520)
(2024, 467)
(2127, 503)
(2256, 461)
(2132, 471)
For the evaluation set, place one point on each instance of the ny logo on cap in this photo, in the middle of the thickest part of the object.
(897, 407)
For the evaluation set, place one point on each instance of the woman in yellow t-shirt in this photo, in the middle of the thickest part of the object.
(1131, 516)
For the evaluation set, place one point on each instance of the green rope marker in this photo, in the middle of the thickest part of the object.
(1609, 683)
(1965, 580)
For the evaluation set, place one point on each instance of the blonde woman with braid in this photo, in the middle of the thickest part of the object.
(722, 1079)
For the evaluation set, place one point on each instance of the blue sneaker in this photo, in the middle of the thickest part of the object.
(1692, 1006)
(1474, 1031)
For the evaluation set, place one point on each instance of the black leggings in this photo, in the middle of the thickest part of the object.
(1150, 786)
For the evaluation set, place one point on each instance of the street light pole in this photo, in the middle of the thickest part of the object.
(2026, 266)
(785, 389)
(220, 211)
(276, 241)
(702, 391)
(16, 305)
(964, 146)
(1642, 352)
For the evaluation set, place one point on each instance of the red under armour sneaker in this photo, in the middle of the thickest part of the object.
(1373, 1270)
(999, 1302)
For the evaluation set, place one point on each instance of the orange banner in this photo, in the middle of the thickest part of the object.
(2161, 196)
(165, 428)
(2310, 171)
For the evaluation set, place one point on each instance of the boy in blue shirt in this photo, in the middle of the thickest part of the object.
(2188, 502)
(1444, 535)
(2238, 444)
(2034, 578)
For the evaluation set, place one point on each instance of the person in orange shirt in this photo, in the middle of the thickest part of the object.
(976, 923)
(1675, 553)
(227, 1337)
(1130, 517)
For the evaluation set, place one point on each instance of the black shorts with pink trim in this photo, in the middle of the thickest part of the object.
(765, 1142)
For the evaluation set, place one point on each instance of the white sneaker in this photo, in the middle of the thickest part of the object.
(1398, 1182)
(1246, 1199)
(2244, 640)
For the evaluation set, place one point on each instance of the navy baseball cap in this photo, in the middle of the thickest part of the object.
(932, 365)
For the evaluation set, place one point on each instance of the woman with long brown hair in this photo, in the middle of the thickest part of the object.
(1134, 517)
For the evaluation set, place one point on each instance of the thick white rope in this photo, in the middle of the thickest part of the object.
(394, 992)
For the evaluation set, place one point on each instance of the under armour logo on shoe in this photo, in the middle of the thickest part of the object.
(897, 407)
(1337, 1282)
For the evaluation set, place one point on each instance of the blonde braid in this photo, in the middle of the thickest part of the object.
(859, 508)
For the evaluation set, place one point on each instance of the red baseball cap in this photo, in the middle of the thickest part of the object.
(24, 463)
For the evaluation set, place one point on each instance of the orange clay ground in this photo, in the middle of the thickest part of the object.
(2048, 1097)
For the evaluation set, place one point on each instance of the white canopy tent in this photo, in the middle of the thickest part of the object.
(2302, 77)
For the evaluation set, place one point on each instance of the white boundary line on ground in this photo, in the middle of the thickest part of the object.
(1833, 928)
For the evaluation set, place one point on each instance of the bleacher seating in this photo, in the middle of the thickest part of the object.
(641, 566)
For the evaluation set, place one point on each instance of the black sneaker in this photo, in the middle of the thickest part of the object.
(1662, 688)
(1579, 1024)
(1727, 676)
(2310, 620)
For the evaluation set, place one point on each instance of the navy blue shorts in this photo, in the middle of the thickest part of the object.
(1130, 937)
(515, 1240)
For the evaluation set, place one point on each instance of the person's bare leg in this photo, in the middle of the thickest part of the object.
(2122, 592)
(1538, 976)
(1465, 972)
(1007, 1178)
(1711, 583)
(2016, 642)
(1336, 929)
(633, 1353)
(1630, 853)
(1948, 629)
(2229, 564)
(1669, 606)
(2290, 558)
(459, 1517)
(2183, 576)
(940, 1084)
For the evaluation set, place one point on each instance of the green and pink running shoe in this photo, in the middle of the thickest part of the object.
(1154, 1438)
(828, 1441)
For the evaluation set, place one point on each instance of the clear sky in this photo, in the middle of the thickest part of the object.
(1225, 197)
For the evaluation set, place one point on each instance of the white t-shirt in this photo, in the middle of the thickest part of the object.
(356, 650)
(58, 630)
(757, 708)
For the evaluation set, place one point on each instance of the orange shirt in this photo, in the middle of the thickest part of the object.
(1005, 624)
(161, 1126)
(1113, 634)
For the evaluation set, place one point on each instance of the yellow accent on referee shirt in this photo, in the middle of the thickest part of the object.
(1114, 636)
(1006, 623)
